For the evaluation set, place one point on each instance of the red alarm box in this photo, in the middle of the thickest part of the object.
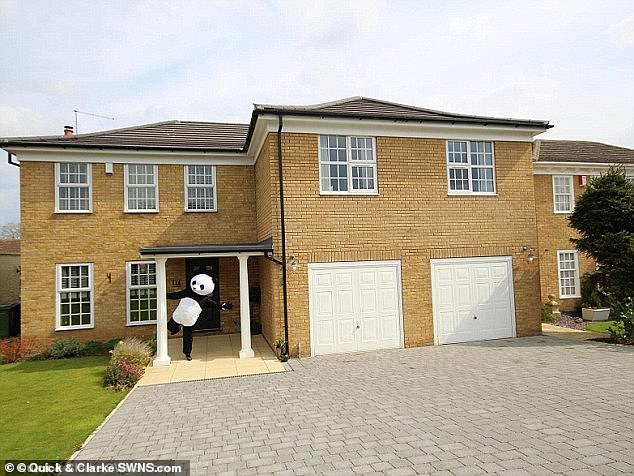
(583, 180)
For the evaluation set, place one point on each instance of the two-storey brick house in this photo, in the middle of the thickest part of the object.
(562, 169)
(360, 224)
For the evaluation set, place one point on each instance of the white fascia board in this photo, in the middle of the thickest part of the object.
(426, 130)
(576, 168)
(37, 154)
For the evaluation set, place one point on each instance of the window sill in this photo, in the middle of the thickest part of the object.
(563, 213)
(351, 194)
(73, 212)
(201, 211)
(470, 194)
(144, 323)
(570, 297)
(140, 211)
(75, 328)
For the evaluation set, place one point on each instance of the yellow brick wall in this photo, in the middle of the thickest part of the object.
(109, 237)
(412, 220)
(554, 234)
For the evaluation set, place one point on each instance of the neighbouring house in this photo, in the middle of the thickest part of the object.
(9, 271)
(562, 169)
(357, 224)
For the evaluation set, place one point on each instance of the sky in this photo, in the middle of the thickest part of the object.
(571, 62)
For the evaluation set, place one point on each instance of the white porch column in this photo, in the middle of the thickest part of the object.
(245, 313)
(162, 356)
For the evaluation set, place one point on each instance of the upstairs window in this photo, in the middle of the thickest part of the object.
(72, 188)
(141, 281)
(347, 165)
(563, 193)
(200, 188)
(141, 188)
(568, 263)
(470, 168)
(74, 296)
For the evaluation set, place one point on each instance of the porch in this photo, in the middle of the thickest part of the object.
(214, 356)
(167, 350)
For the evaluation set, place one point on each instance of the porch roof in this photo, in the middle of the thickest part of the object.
(230, 249)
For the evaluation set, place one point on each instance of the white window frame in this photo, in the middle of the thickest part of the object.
(469, 166)
(349, 165)
(577, 277)
(212, 186)
(59, 290)
(58, 184)
(128, 287)
(572, 194)
(126, 186)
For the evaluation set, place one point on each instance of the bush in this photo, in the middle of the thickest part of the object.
(623, 328)
(16, 348)
(97, 347)
(121, 375)
(132, 351)
(591, 294)
(63, 348)
(152, 345)
(547, 314)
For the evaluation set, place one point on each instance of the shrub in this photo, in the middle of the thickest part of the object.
(547, 314)
(132, 351)
(63, 348)
(591, 294)
(16, 348)
(152, 345)
(623, 329)
(121, 375)
(97, 347)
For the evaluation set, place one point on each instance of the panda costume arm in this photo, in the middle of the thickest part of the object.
(178, 294)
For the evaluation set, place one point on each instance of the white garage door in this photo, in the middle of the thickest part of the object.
(473, 299)
(355, 306)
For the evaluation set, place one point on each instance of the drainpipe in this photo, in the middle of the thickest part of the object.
(280, 173)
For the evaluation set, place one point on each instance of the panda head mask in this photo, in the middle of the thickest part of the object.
(202, 284)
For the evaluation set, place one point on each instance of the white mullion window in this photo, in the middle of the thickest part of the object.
(141, 188)
(568, 269)
(347, 165)
(141, 292)
(73, 187)
(200, 188)
(563, 194)
(470, 168)
(74, 306)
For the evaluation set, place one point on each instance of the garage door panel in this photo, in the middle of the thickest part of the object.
(322, 280)
(344, 302)
(368, 301)
(324, 303)
(343, 278)
(479, 305)
(364, 301)
(462, 295)
(388, 300)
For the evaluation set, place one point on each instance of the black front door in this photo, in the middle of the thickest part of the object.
(209, 319)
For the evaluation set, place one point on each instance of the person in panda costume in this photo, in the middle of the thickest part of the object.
(192, 302)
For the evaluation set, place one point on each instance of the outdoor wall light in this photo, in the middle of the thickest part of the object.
(292, 261)
(530, 254)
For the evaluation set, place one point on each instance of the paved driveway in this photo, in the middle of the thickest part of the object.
(522, 406)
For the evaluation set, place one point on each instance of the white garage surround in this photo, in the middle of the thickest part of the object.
(355, 306)
(473, 299)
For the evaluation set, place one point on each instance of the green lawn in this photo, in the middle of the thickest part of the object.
(50, 407)
(599, 327)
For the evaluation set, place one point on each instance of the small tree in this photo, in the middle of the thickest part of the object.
(10, 231)
(604, 218)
